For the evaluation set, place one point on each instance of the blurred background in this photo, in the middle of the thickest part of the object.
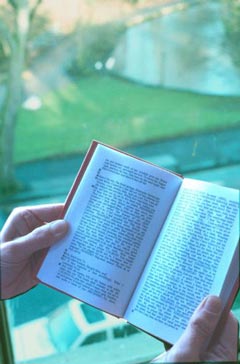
(156, 78)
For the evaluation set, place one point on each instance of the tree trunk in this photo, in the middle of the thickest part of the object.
(13, 99)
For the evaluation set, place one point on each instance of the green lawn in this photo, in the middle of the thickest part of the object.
(116, 112)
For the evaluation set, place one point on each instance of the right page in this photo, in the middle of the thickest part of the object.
(191, 259)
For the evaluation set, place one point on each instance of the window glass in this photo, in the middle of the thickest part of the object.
(62, 329)
(95, 338)
(125, 330)
(159, 79)
(91, 314)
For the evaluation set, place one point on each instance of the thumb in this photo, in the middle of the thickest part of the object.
(204, 321)
(40, 238)
(201, 327)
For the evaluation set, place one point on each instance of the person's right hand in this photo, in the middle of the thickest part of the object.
(193, 344)
(26, 235)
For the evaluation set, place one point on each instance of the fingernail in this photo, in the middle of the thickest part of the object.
(58, 228)
(212, 304)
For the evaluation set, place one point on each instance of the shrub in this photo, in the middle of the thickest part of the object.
(95, 44)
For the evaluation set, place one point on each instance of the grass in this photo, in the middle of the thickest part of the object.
(116, 112)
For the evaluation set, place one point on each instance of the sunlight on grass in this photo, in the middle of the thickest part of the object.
(116, 112)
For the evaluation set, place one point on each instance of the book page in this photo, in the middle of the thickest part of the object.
(115, 218)
(190, 260)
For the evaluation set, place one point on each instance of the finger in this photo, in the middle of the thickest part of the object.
(226, 342)
(230, 335)
(47, 212)
(18, 224)
(202, 324)
(42, 237)
(25, 219)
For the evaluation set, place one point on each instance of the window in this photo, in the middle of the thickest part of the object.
(155, 78)
(62, 339)
(126, 330)
(91, 314)
(95, 338)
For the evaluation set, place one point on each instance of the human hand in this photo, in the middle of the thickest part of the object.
(196, 345)
(26, 235)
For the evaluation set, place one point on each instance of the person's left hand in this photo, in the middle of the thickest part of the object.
(26, 235)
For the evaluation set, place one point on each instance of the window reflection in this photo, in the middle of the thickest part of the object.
(77, 93)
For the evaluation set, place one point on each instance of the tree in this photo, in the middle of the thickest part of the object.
(14, 35)
(231, 21)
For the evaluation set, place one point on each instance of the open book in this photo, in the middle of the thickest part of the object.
(144, 243)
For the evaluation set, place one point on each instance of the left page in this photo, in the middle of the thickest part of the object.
(115, 217)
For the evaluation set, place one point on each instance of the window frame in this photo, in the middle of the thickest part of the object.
(6, 350)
